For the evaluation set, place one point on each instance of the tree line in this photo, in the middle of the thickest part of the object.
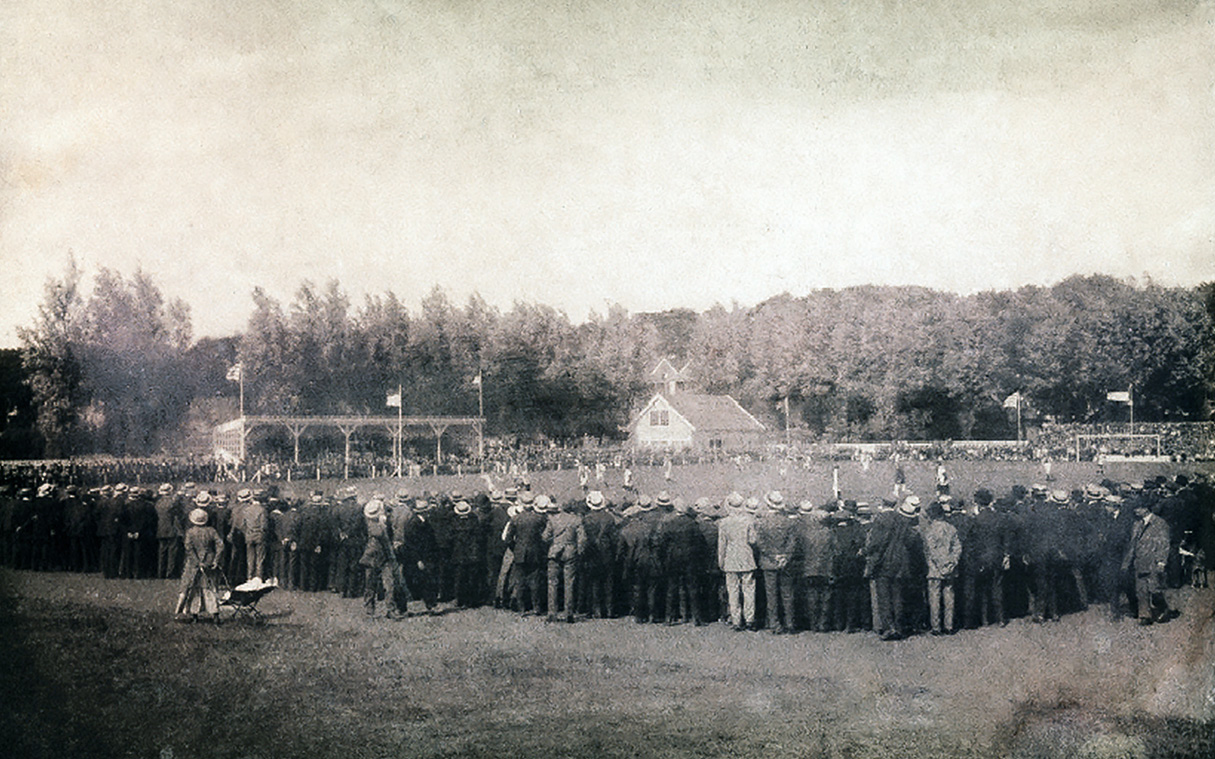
(117, 370)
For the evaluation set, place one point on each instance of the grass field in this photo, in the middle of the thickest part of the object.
(97, 668)
(716, 480)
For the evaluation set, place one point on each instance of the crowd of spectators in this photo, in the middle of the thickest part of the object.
(755, 561)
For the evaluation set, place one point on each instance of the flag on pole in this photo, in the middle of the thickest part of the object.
(1014, 400)
(234, 372)
(1119, 396)
(394, 400)
(477, 380)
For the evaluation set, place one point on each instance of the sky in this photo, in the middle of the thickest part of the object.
(596, 152)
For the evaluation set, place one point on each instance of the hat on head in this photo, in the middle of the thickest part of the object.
(202, 498)
(1094, 492)
(644, 503)
(734, 500)
(45, 489)
(120, 487)
(511, 494)
(463, 507)
(527, 497)
(983, 497)
(496, 496)
(541, 503)
(775, 500)
(189, 486)
(751, 504)
(456, 495)
(1059, 496)
(1112, 498)
(318, 496)
(403, 495)
(805, 507)
(702, 505)
(421, 505)
(244, 494)
(1038, 490)
(198, 516)
(373, 508)
(165, 489)
(220, 498)
(663, 499)
(594, 500)
(910, 506)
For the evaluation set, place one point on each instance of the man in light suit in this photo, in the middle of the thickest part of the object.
(736, 557)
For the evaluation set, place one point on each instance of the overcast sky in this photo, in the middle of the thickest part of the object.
(651, 154)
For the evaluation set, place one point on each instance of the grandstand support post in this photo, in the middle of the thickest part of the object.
(347, 430)
(296, 430)
(438, 429)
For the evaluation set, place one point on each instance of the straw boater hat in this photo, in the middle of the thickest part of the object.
(495, 496)
(752, 504)
(198, 516)
(527, 498)
(734, 500)
(422, 505)
(463, 507)
(403, 495)
(663, 499)
(594, 500)
(244, 494)
(805, 507)
(373, 508)
(910, 506)
(165, 489)
(1059, 496)
(45, 489)
(775, 500)
(203, 498)
(644, 503)
(511, 494)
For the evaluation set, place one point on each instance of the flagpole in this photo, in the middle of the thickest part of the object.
(1130, 399)
(1018, 416)
(400, 447)
(481, 421)
(241, 375)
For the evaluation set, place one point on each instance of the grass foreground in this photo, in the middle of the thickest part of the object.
(97, 668)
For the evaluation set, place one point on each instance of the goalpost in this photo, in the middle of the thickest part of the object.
(1094, 441)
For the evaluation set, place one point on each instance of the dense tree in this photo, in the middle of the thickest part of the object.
(116, 370)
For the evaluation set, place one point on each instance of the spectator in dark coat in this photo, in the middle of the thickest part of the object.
(566, 539)
(852, 596)
(816, 551)
(169, 531)
(599, 558)
(894, 566)
(681, 550)
(467, 556)
(775, 546)
(639, 560)
(527, 546)
(314, 529)
(1146, 557)
(418, 551)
